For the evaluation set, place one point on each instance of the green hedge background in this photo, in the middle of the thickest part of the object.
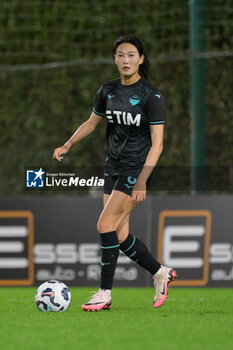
(42, 106)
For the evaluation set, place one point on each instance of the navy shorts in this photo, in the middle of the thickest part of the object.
(122, 183)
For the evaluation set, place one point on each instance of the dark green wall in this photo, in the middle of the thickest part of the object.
(41, 108)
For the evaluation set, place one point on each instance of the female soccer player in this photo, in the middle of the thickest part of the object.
(135, 112)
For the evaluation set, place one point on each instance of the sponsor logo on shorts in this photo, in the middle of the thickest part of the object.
(131, 181)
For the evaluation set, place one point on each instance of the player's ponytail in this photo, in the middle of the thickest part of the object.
(144, 68)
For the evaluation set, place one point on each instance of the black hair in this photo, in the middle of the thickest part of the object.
(144, 68)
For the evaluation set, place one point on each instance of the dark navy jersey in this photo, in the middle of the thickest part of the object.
(130, 110)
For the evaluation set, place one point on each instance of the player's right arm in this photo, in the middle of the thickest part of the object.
(83, 131)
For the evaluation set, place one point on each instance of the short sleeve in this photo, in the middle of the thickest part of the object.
(156, 108)
(100, 103)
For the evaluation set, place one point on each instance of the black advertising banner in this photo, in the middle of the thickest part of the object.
(66, 242)
(195, 235)
(55, 237)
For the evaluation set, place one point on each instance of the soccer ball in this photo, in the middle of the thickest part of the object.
(53, 296)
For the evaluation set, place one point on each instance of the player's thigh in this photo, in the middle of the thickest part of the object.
(123, 228)
(118, 205)
(106, 198)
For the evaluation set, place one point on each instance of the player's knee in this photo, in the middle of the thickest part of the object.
(122, 236)
(105, 225)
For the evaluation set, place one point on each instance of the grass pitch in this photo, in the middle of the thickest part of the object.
(190, 319)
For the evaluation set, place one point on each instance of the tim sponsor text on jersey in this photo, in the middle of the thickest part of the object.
(125, 118)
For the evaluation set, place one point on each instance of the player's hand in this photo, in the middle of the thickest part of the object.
(58, 152)
(139, 192)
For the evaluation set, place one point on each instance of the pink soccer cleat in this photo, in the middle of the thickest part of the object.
(162, 280)
(99, 301)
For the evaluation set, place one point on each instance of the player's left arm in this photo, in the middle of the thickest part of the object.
(139, 192)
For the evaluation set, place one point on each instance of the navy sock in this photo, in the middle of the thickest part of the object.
(138, 252)
(110, 252)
